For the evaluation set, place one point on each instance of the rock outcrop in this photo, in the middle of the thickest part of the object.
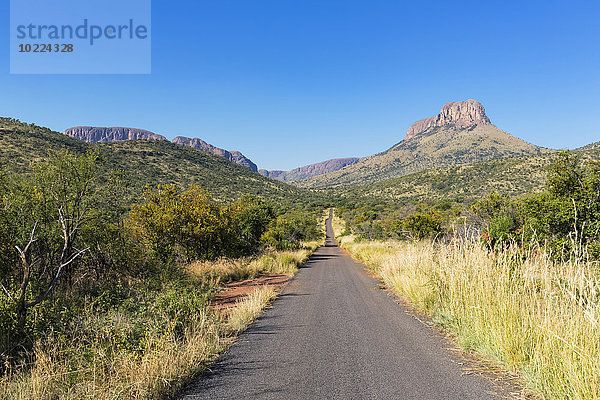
(307, 171)
(461, 114)
(95, 134)
(234, 156)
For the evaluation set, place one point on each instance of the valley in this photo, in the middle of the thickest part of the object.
(316, 200)
(163, 228)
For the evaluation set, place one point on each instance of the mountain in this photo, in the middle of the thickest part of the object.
(513, 176)
(233, 156)
(93, 134)
(149, 162)
(307, 171)
(460, 134)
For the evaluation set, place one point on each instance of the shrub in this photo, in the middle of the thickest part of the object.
(421, 225)
(287, 231)
(245, 222)
(191, 226)
(565, 216)
(490, 206)
(174, 224)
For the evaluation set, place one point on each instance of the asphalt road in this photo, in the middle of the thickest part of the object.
(332, 334)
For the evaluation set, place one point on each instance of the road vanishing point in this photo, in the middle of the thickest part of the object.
(332, 334)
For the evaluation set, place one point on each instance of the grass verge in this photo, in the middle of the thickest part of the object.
(250, 308)
(516, 307)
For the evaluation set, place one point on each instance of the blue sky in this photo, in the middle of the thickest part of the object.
(290, 83)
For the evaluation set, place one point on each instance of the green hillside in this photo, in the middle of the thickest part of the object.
(149, 162)
(438, 147)
(591, 146)
(514, 176)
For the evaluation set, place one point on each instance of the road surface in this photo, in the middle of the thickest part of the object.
(332, 334)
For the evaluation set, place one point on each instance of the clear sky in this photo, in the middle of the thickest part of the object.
(290, 83)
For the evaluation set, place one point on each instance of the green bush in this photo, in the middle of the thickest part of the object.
(565, 216)
(246, 221)
(287, 231)
(421, 225)
(173, 223)
(190, 226)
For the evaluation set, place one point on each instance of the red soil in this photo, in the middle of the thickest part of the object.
(236, 291)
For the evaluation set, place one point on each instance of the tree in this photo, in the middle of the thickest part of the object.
(421, 225)
(172, 223)
(573, 195)
(245, 221)
(46, 211)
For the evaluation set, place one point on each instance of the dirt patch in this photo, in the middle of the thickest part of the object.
(236, 291)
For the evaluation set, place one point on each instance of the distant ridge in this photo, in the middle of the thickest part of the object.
(307, 171)
(94, 134)
(234, 156)
(147, 162)
(591, 146)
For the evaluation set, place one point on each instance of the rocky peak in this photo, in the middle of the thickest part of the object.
(233, 156)
(459, 113)
(95, 134)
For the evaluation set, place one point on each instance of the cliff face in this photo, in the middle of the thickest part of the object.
(95, 134)
(309, 170)
(234, 156)
(461, 114)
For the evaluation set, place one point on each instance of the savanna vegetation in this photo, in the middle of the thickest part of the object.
(514, 177)
(516, 279)
(100, 298)
(374, 221)
(565, 217)
(110, 254)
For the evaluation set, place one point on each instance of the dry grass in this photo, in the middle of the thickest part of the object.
(100, 361)
(166, 363)
(518, 308)
(250, 308)
(276, 262)
(339, 227)
(102, 370)
(225, 270)
(313, 245)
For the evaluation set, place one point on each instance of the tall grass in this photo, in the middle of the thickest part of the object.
(247, 310)
(515, 306)
(274, 262)
(98, 363)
